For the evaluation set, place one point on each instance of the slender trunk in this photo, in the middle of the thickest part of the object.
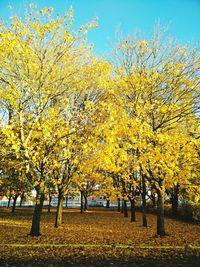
(122, 207)
(81, 201)
(144, 204)
(118, 205)
(85, 203)
(175, 205)
(14, 203)
(153, 199)
(35, 228)
(125, 209)
(49, 206)
(160, 211)
(133, 217)
(22, 199)
(107, 203)
(174, 199)
(59, 210)
(66, 200)
(9, 200)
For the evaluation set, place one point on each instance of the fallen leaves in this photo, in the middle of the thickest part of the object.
(100, 234)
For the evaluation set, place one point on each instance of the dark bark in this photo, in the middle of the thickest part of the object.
(118, 205)
(49, 205)
(59, 210)
(35, 228)
(81, 201)
(125, 209)
(174, 199)
(9, 200)
(22, 199)
(122, 207)
(85, 202)
(153, 199)
(133, 216)
(14, 203)
(66, 201)
(160, 211)
(144, 204)
(108, 203)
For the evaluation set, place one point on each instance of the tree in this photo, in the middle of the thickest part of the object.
(159, 84)
(41, 61)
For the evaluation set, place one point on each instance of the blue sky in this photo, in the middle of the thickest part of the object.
(181, 16)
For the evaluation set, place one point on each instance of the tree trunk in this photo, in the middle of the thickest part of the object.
(22, 199)
(153, 199)
(160, 211)
(133, 217)
(85, 203)
(144, 204)
(59, 210)
(9, 200)
(14, 203)
(125, 209)
(35, 228)
(81, 201)
(122, 207)
(174, 199)
(49, 206)
(108, 203)
(118, 205)
(66, 200)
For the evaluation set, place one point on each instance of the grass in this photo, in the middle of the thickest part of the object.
(99, 237)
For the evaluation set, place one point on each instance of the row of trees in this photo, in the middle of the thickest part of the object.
(72, 120)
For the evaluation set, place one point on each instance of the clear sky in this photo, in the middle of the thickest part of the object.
(181, 16)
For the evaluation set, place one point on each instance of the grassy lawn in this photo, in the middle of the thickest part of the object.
(99, 237)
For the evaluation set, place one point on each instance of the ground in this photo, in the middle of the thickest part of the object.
(99, 237)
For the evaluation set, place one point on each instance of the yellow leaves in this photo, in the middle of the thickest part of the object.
(71, 13)
(43, 11)
(68, 37)
(89, 25)
(143, 44)
(89, 105)
(72, 115)
(11, 138)
(36, 183)
(51, 10)
(123, 46)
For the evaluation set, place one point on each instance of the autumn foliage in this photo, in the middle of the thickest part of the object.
(73, 123)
